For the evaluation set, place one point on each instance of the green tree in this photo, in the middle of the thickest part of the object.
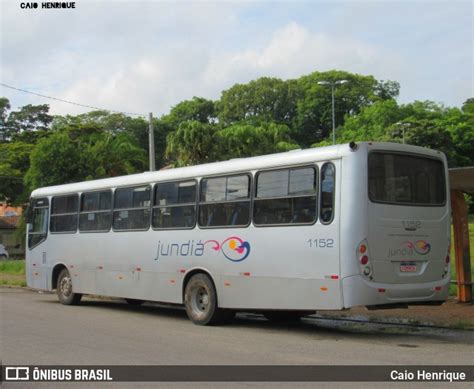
(245, 140)
(468, 106)
(264, 100)
(196, 109)
(374, 122)
(27, 119)
(14, 162)
(4, 108)
(387, 90)
(192, 143)
(55, 160)
(83, 153)
(424, 124)
(313, 120)
(115, 124)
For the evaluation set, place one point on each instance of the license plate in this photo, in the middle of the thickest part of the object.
(408, 267)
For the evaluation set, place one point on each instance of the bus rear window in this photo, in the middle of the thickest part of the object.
(406, 179)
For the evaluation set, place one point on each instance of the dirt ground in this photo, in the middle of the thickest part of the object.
(12, 279)
(450, 314)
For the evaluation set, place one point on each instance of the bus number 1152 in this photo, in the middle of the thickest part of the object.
(321, 243)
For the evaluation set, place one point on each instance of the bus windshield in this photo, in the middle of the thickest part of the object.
(404, 179)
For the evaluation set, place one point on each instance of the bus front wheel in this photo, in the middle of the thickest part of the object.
(200, 301)
(64, 289)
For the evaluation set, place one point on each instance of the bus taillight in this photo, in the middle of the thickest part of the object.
(363, 256)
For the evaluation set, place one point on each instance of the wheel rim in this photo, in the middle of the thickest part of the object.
(200, 300)
(65, 286)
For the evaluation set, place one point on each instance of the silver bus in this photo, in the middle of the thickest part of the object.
(285, 234)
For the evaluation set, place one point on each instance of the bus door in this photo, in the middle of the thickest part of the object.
(37, 232)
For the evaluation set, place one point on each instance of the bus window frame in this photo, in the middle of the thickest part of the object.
(149, 185)
(111, 211)
(64, 214)
(333, 194)
(249, 199)
(196, 205)
(290, 167)
(426, 156)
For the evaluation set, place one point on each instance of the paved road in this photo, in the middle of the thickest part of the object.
(36, 329)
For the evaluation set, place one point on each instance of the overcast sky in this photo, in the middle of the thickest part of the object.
(148, 56)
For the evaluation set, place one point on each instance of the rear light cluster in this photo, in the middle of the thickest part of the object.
(364, 259)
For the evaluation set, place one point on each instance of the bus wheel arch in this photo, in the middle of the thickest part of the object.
(190, 274)
(198, 284)
(54, 277)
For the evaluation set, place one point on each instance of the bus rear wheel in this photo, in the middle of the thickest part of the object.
(64, 290)
(200, 301)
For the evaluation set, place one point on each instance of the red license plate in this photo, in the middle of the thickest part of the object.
(408, 267)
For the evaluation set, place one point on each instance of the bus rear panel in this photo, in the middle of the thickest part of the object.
(404, 257)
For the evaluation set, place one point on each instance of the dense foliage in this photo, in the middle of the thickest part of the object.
(264, 116)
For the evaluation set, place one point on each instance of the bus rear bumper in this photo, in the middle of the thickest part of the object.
(357, 291)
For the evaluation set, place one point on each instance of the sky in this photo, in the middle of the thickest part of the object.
(147, 56)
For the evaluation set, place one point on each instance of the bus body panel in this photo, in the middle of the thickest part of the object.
(152, 265)
(358, 291)
(422, 249)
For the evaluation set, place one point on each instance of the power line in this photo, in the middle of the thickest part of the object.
(70, 102)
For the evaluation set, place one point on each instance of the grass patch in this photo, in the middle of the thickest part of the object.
(12, 273)
(463, 325)
(13, 267)
(453, 288)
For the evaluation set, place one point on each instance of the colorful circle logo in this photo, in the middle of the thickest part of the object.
(235, 249)
(422, 247)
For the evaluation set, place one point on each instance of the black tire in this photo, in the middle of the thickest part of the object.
(64, 289)
(285, 316)
(3, 257)
(200, 301)
(134, 302)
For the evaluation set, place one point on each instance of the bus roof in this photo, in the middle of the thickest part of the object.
(294, 157)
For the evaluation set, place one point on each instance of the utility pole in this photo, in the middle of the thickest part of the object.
(333, 115)
(151, 143)
(333, 85)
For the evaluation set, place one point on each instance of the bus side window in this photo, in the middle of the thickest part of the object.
(174, 205)
(285, 196)
(132, 208)
(96, 211)
(225, 201)
(327, 192)
(38, 227)
(64, 213)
